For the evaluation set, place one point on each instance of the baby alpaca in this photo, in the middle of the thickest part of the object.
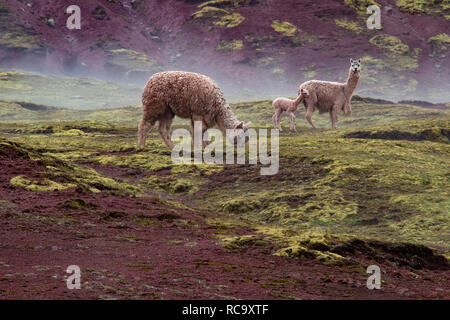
(290, 106)
(331, 96)
(187, 95)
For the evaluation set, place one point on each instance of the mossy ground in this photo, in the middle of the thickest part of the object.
(220, 12)
(132, 64)
(383, 175)
(427, 7)
(353, 26)
(82, 93)
(16, 37)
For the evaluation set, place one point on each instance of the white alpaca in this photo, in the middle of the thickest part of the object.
(186, 95)
(289, 106)
(331, 96)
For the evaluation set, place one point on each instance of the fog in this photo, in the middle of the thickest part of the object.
(248, 85)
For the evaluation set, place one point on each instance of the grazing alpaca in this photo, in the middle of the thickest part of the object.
(290, 106)
(331, 96)
(187, 95)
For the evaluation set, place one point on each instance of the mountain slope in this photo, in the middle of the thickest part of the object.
(256, 47)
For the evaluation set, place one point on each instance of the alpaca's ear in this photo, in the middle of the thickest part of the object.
(351, 60)
(240, 125)
(359, 61)
(247, 124)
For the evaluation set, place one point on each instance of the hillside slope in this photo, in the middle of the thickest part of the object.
(251, 47)
(140, 227)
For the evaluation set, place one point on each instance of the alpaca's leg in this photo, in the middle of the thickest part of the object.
(308, 116)
(204, 128)
(292, 119)
(276, 119)
(164, 129)
(144, 128)
(205, 135)
(152, 110)
(334, 116)
(169, 119)
(192, 129)
(347, 109)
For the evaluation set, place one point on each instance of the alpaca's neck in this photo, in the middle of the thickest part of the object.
(226, 119)
(297, 101)
(351, 83)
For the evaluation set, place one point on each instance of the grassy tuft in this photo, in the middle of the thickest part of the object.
(233, 45)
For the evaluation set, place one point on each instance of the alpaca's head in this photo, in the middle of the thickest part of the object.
(355, 66)
(304, 93)
(239, 134)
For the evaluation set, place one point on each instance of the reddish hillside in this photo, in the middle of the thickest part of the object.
(250, 46)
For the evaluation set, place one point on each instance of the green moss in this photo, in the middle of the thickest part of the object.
(416, 6)
(82, 93)
(171, 184)
(16, 37)
(72, 132)
(301, 252)
(208, 12)
(440, 42)
(292, 35)
(38, 185)
(366, 178)
(225, 3)
(215, 11)
(229, 20)
(233, 45)
(381, 75)
(217, 3)
(131, 61)
(150, 162)
(392, 43)
(427, 7)
(240, 205)
(363, 184)
(344, 249)
(77, 204)
(242, 243)
(309, 74)
(68, 175)
(360, 6)
(352, 26)
(20, 40)
(284, 27)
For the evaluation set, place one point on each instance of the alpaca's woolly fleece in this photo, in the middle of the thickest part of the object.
(187, 95)
(329, 96)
